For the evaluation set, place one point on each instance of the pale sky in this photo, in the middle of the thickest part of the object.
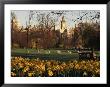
(69, 15)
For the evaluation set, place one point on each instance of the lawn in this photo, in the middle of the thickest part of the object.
(48, 54)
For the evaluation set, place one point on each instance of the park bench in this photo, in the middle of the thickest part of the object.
(85, 53)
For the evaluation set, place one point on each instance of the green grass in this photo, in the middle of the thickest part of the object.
(33, 53)
(97, 53)
(22, 50)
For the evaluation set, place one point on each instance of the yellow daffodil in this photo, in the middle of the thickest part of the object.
(50, 73)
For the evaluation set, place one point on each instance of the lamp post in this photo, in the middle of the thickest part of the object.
(27, 29)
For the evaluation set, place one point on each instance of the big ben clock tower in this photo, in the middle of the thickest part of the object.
(63, 25)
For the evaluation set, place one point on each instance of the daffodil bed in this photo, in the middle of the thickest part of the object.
(25, 67)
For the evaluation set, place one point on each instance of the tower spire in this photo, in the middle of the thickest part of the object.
(63, 24)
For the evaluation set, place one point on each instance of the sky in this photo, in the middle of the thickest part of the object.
(72, 17)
